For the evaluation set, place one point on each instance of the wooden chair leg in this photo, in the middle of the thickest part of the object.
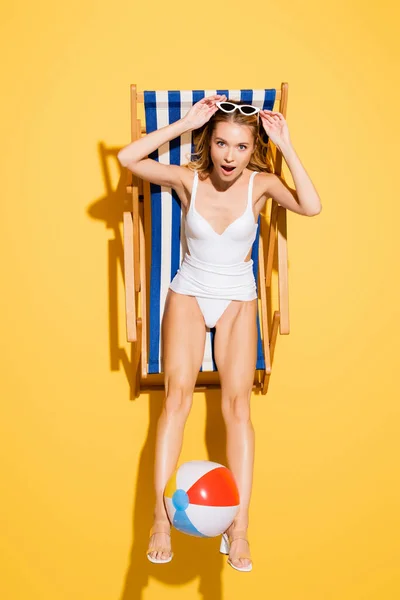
(129, 276)
(136, 359)
(274, 334)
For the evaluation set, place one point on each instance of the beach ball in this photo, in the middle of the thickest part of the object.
(201, 498)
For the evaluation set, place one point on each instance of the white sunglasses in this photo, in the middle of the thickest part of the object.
(245, 109)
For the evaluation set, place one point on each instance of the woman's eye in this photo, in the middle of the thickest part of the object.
(240, 145)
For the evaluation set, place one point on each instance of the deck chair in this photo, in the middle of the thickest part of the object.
(154, 243)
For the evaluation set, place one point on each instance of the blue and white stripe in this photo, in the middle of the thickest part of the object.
(167, 218)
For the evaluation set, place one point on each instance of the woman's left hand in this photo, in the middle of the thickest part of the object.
(276, 127)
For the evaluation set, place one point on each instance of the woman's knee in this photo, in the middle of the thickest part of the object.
(236, 406)
(178, 397)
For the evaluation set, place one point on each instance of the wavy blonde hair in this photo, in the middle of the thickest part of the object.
(260, 160)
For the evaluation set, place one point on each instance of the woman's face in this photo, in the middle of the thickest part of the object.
(231, 146)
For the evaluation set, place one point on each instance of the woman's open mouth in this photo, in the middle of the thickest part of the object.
(227, 169)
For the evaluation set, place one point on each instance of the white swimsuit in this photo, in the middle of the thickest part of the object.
(215, 271)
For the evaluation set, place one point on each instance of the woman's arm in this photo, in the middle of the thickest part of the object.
(304, 199)
(141, 148)
(134, 156)
(306, 194)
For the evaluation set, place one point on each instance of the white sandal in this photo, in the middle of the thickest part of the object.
(226, 543)
(153, 530)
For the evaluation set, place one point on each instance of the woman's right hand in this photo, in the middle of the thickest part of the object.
(202, 111)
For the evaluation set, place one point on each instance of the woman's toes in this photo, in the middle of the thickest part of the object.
(160, 540)
(241, 562)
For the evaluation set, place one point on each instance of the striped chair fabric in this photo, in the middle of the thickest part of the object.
(168, 244)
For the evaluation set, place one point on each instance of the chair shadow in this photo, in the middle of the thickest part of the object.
(193, 558)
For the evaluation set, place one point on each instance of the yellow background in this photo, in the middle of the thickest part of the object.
(77, 451)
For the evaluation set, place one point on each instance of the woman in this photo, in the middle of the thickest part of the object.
(222, 194)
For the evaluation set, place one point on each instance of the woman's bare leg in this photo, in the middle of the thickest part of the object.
(235, 351)
(183, 340)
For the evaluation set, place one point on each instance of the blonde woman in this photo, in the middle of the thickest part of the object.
(222, 193)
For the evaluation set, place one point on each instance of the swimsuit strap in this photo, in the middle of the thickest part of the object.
(250, 193)
(194, 190)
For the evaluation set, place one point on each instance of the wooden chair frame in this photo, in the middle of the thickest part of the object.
(136, 224)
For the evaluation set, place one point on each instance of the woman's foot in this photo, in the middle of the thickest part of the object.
(239, 551)
(159, 549)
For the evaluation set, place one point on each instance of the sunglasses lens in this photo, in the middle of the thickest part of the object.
(228, 106)
(249, 110)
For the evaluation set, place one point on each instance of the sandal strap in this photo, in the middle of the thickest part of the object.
(159, 549)
(238, 535)
(155, 529)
